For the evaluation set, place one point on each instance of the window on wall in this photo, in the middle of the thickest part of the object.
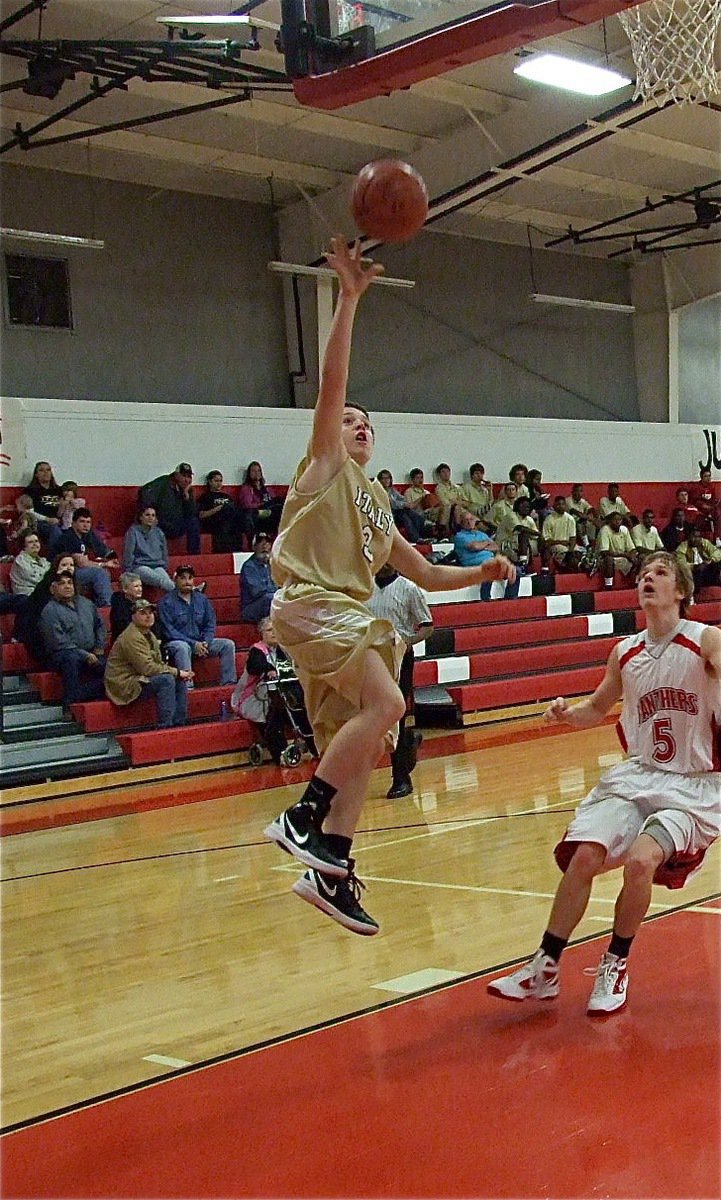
(699, 362)
(38, 292)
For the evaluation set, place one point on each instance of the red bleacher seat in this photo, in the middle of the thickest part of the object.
(524, 661)
(188, 741)
(525, 689)
(102, 716)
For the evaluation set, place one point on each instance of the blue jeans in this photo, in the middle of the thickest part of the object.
(511, 589)
(98, 580)
(255, 610)
(181, 655)
(50, 534)
(171, 699)
(155, 577)
(81, 680)
(191, 529)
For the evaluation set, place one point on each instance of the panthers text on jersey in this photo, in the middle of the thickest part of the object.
(671, 704)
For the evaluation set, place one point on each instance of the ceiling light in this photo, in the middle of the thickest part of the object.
(575, 302)
(52, 239)
(241, 19)
(570, 75)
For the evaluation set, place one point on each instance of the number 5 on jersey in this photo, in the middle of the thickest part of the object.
(663, 740)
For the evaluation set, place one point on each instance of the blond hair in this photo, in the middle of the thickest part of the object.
(681, 570)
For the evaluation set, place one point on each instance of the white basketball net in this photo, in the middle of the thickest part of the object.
(673, 48)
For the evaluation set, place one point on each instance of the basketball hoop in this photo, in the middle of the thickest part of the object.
(673, 48)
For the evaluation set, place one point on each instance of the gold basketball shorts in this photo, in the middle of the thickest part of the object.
(327, 634)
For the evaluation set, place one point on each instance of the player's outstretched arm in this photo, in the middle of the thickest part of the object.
(711, 650)
(354, 279)
(591, 711)
(437, 578)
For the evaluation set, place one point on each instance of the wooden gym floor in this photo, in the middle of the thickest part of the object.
(157, 974)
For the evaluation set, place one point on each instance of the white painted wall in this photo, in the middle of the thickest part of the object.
(126, 443)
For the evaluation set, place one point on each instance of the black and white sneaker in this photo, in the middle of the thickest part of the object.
(296, 832)
(340, 899)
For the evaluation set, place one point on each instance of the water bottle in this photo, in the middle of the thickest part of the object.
(225, 713)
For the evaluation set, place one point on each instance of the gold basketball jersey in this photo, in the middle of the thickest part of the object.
(337, 537)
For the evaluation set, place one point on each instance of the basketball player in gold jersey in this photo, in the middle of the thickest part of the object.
(335, 534)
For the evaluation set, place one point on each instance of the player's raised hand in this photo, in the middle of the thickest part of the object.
(498, 567)
(355, 276)
(557, 711)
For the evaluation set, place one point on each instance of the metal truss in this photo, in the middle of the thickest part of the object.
(654, 239)
(216, 65)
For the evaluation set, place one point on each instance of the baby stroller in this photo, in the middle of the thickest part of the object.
(273, 706)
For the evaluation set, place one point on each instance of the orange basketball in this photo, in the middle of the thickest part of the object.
(390, 200)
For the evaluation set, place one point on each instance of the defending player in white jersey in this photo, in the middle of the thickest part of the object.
(656, 813)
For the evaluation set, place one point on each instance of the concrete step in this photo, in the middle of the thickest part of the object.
(23, 716)
(59, 758)
(16, 689)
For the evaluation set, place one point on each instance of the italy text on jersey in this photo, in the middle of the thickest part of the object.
(375, 513)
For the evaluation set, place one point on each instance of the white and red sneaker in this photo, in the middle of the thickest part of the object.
(535, 980)
(610, 987)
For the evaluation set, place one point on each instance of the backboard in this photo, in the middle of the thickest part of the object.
(339, 52)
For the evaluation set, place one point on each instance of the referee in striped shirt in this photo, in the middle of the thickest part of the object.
(402, 603)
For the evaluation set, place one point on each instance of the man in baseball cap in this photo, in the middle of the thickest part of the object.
(136, 670)
(189, 624)
(172, 498)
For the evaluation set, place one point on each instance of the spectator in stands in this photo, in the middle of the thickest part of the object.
(703, 558)
(473, 547)
(121, 604)
(478, 495)
(676, 532)
(136, 670)
(612, 502)
(559, 538)
(419, 499)
(146, 551)
(256, 583)
(646, 537)
(525, 537)
(690, 512)
(73, 635)
(503, 517)
(449, 498)
(218, 515)
(615, 549)
(260, 512)
(411, 523)
(26, 519)
(540, 500)
(89, 551)
(188, 624)
(172, 498)
(46, 496)
(26, 627)
(256, 703)
(709, 508)
(29, 566)
(69, 503)
(579, 508)
(518, 475)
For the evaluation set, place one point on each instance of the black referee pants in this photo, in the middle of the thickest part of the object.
(403, 758)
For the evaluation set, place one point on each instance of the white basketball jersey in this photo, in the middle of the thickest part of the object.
(671, 704)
